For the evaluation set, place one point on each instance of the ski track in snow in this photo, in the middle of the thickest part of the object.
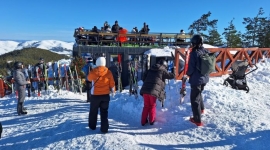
(233, 120)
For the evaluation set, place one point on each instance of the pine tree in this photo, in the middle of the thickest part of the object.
(264, 33)
(255, 31)
(79, 62)
(232, 36)
(214, 38)
(202, 24)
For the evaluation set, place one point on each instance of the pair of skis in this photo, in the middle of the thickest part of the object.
(183, 91)
(133, 85)
(184, 78)
(78, 81)
(119, 59)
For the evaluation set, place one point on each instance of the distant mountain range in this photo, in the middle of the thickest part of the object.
(59, 47)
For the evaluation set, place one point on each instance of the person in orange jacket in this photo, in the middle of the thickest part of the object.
(122, 36)
(102, 84)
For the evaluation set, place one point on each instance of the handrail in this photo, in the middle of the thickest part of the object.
(225, 57)
(85, 36)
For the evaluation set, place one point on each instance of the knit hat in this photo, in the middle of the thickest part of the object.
(101, 61)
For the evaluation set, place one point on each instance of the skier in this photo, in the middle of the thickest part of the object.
(40, 67)
(102, 84)
(196, 79)
(20, 84)
(39, 71)
(154, 88)
(50, 73)
(85, 70)
(116, 71)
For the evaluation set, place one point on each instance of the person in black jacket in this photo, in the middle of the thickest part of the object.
(116, 72)
(196, 79)
(154, 88)
(115, 27)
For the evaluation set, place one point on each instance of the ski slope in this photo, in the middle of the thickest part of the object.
(233, 120)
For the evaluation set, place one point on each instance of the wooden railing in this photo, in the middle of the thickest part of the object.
(225, 57)
(86, 36)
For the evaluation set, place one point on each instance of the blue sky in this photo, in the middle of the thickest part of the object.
(57, 19)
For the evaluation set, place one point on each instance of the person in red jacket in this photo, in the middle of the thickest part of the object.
(102, 84)
(122, 36)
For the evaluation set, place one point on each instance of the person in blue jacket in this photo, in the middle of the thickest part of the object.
(86, 69)
(196, 79)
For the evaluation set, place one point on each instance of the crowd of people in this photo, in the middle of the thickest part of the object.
(101, 82)
(116, 28)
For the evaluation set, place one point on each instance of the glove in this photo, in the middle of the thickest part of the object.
(173, 70)
(112, 92)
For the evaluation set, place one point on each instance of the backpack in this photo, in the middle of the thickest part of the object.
(208, 62)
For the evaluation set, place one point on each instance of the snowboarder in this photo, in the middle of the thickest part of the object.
(85, 70)
(154, 88)
(196, 79)
(20, 84)
(102, 84)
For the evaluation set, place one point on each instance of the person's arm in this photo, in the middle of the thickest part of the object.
(19, 79)
(112, 82)
(145, 75)
(168, 75)
(191, 64)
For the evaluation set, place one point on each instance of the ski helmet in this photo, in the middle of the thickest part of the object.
(18, 65)
(197, 40)
(163, 62)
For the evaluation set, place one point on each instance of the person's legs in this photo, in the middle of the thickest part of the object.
(145, 112)
(21, 97)
(104, 106)
(1, 130)
(94, 105)
(202, 104)
(88, 87)
(152, 109)
(195, 99)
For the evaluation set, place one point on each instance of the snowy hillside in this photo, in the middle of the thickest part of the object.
(59, 47)
(233, 120)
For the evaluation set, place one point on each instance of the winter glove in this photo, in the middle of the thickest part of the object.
(112, 92)
(173, 70)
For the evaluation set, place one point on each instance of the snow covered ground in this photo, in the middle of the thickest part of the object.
(233, 120)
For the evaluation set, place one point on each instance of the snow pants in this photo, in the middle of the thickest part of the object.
(21, 97)
(99, 102)
(149, 108)
(88, 88)
(197, 101)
